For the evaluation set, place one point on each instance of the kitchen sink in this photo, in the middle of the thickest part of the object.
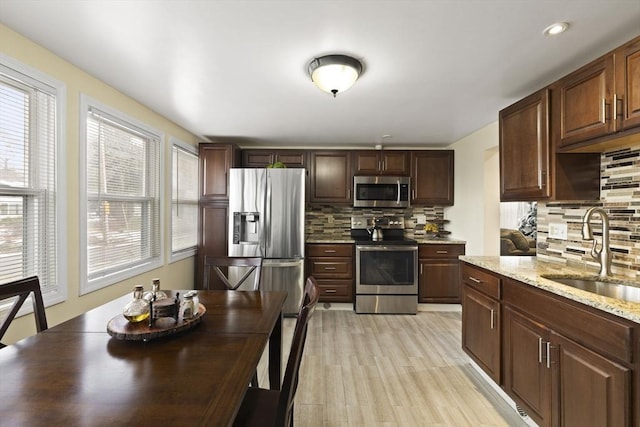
(601, 286)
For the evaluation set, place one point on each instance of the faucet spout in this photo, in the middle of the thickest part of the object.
(604, 255)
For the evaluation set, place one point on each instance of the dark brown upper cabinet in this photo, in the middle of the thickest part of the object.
(215, 162)
(530, 169)
(330, 177)
(262, 158)
(524, 149)
(599, 102)
(432, 177)
(381, 163)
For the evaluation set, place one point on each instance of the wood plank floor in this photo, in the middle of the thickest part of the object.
(390, 370)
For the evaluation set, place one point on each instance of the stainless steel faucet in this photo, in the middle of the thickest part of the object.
(604, 255)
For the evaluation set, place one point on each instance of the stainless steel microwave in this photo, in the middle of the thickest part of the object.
(381, 191)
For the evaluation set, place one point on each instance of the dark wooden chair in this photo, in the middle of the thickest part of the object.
(22, 289)
(222, 264)
(262, 407)
(222, 267)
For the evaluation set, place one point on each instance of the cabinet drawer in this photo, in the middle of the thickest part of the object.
(331, 268)
(328, 250)
(335, 288)
(440, 251)
(481, 280)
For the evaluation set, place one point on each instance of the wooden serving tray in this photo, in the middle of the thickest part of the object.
(119, 327)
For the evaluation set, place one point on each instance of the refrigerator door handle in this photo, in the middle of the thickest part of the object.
(267, 214)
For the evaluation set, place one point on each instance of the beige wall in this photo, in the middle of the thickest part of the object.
(475, 215)
(176, 275)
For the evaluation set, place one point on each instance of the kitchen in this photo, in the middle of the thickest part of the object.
(476, 157)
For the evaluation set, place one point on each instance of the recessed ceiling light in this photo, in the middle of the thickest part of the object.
(556, 28)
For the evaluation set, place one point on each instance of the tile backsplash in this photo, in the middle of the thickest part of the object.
(335, 221)
(620, 197)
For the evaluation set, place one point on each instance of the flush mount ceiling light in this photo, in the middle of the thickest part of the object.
(556, 28)
(334, 73)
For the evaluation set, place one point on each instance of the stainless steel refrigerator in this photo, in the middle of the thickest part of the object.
(266, 219)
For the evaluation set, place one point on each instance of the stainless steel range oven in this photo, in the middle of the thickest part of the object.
(386, 269)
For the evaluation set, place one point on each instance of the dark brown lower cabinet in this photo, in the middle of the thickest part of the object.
(588, 390)
(213, 238)
(332, 266)
(526, 375)
(481, 330)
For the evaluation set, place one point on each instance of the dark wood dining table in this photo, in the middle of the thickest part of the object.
(76, 374)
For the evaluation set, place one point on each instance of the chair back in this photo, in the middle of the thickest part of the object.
(221, 266)
(22, 289)
(290, 381)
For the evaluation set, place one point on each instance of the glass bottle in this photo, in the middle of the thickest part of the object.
(196, 300)
(137, 309)
(187, 307)
(155, 290)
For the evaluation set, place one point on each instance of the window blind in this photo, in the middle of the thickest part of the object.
(28, 143)
(122, 195)
(184, 199)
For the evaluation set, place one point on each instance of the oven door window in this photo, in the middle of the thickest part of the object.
(386, 268)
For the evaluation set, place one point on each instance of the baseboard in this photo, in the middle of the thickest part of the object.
(504, 396)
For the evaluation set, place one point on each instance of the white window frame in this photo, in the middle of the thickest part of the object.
(92, 284)
(187, 252)
(52, 293)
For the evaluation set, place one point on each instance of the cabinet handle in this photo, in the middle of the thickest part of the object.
(421, 265)
(540, 343)
(442, 252)
(413, 194)
(330, 291)
(329, 251)
(549, 347)
(543, 179)
(329, 268)
(615, 107)
(473, 279)
(493, 322)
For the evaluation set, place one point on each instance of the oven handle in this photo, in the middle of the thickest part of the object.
(398, 201)
(372, 248)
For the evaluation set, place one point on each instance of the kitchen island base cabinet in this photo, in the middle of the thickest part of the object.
(480, 331)
(526, 376)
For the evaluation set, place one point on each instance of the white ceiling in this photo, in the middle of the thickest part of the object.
(435, 70)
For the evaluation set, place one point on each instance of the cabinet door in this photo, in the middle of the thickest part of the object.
(366, 163)
(524, 149)
(215, 162)
(481, 331)
(588, 389)
(330, 177)
(432, 177)
(583, 101)
(263, 158)
(627, 60)
(394, 163)
(213, 238)
(439, 281)
(527, 379)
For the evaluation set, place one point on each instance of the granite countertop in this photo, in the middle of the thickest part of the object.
(530, 271)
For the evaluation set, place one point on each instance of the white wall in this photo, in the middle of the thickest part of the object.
(475, 215)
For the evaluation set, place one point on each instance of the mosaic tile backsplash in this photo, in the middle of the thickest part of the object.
(334, 222)
(620, 198)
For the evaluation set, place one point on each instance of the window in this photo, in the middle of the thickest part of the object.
(120, 201)
(32, 184)
(184, 200)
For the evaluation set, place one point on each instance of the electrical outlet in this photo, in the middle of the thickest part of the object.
(330, 219)
(558, 230)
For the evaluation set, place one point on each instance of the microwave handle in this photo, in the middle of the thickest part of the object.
(398, 201)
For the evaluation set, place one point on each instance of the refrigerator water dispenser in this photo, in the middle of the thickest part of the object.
(246, 228)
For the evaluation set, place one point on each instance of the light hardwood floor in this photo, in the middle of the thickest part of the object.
(390, 370)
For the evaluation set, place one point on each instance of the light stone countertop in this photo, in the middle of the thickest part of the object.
(529, 270)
